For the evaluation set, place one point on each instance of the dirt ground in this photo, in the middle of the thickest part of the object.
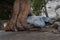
(24, 35)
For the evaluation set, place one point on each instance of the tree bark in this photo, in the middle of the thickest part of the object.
(21, 10)
(11, 23)
(22, 18)
(46, 1)
(46, 12)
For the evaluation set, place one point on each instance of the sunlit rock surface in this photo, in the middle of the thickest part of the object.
(51, 6)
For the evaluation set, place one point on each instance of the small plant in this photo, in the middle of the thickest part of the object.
(37, 6)
(55, 26)
(58, 19)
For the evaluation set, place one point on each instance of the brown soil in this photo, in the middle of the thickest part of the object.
(25, 35)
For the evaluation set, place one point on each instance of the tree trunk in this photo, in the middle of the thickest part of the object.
(23, 14)
(46, 1)
(21, 10)
(46, 12)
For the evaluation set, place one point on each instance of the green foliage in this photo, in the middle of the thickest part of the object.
(58, 19)
(37, 6)
(55, 26)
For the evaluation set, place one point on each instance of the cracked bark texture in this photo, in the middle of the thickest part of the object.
(21, 10)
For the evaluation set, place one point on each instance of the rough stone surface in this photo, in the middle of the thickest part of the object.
(51, 6)
(38, 20)
(58, 24)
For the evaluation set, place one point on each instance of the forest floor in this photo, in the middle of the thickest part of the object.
(25, 35)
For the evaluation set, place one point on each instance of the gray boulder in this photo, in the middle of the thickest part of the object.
(47, 20)
(58, 25)
(39, 21)
(36, 21)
